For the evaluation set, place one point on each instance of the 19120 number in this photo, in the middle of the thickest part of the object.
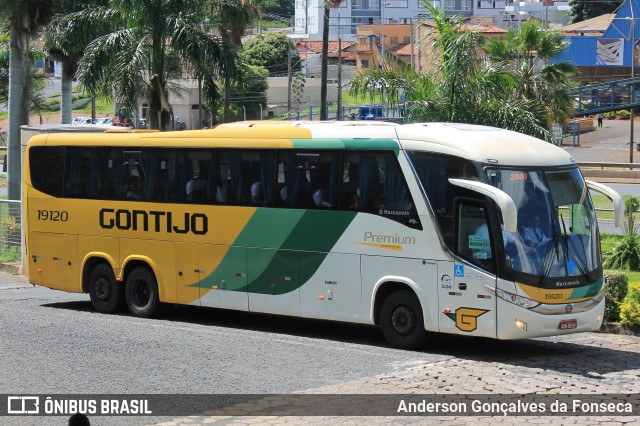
(53, 215)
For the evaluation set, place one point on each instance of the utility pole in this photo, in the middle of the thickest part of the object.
(633, 67)
(339, 112)
(411, 43)
(290, 77)
(382, 6)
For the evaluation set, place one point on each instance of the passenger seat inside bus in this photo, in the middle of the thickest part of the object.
(197, 190)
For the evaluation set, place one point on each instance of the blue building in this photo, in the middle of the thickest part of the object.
(601, 47)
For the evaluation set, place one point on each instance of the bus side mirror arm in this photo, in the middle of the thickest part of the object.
(618, 203)
(502, 199)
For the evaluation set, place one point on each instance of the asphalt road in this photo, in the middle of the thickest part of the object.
(54, 342)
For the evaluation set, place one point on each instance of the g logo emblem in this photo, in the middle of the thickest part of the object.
(467, 318)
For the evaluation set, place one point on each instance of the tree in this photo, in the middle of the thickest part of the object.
(271, 52)
(131, 61)
(530, 48)
(582, 10)
(25, 18)
(459, 87)
(328, 5)
(233, 17)
(249, 90)
(38, 79)
(66, 44)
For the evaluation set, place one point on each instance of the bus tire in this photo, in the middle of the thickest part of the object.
(401, 320)
(141, 292)
(106, 293)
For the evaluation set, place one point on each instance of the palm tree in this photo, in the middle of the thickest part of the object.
(133, 60)
(328, 5)
(529, 49)
(65, 43)
(37, 78)
(233, 17)
(25, 18)
(458, 87)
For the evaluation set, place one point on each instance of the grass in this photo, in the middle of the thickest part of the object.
(607, 242)
(602, 202)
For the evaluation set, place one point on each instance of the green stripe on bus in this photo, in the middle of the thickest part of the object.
(385, 144)
(302, 253)
(588, 290)
(283, 259)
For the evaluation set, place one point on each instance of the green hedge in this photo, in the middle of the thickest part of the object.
(630, 308)
(617, 286)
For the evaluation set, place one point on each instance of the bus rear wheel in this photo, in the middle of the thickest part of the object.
(141, 291)
(106, 294)
(401, 320)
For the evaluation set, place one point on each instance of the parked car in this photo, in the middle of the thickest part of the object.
(104, 121)
(80, 121)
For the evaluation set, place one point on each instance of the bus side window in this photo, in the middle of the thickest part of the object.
(84, 172)
(473, 241)
(131, 174)
(244, 177)
(46, 164)
(198, 175)
(294, 173)
(373, 182)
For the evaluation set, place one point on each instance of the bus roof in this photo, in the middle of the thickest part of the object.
(483, 144)
(477, 143)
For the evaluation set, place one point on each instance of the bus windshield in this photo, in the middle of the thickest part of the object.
(556, 236)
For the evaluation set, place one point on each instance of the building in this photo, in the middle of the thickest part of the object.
(345, 18)
(601, 47)
(406, 44)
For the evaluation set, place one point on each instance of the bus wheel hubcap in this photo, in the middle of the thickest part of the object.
(141, 293)
(103, 289)
(403, 320)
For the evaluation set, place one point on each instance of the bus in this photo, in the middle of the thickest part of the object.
(416, 228)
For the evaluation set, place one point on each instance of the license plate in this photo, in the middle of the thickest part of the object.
(568, 324)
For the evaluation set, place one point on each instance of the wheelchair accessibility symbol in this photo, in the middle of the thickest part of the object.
(459, 271)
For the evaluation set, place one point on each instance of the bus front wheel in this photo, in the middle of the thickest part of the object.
(141, 291)
(106, 294)
(401, 320)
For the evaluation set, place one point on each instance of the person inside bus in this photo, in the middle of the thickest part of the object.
(532, 233)
(133, 188)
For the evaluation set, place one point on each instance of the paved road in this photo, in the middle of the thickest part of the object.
(53, 342)
(607, 144)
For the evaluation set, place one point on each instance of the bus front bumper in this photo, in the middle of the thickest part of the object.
(515, 322)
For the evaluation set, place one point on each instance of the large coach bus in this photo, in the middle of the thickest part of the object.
(416, 228)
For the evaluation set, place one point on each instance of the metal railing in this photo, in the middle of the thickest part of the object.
(10, 231)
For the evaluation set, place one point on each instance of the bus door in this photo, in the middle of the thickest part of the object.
(466, 307)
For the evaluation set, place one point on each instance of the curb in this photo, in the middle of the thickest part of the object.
(617, 328)
(13, 268)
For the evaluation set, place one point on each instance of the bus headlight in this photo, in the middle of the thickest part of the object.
(523, 302)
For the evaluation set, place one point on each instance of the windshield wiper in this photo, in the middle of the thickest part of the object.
(547, 263)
